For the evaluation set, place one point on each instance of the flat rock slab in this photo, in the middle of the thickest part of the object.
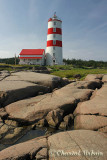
(26, 150)
(38, 78)
(65, 98)
(92, 114)
(97, 105)
(86, 84)
(90, 122)
(4, 74)
(11, 91)
(94, 77)
(77, 145)
(104, 79)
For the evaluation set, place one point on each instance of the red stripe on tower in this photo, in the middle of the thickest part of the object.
(54, 43)
(54, 31)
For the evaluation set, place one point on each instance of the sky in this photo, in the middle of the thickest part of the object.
(23, 25)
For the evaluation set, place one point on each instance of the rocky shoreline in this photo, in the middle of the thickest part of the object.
(76, 109)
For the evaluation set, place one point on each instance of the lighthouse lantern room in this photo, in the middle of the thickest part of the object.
(54, 42)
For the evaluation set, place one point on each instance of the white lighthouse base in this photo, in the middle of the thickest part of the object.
(54, 57)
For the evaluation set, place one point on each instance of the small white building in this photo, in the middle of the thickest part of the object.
(32, 56)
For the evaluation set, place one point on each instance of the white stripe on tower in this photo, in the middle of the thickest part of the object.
(54, 42)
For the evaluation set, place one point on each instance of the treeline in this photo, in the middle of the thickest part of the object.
(9, 60)
(75, 62)
(83, 63)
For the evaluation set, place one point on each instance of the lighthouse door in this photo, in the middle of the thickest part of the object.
(54, 60)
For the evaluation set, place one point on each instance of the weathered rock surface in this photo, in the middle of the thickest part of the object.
(3, 112)
(27, 150)
(80, 143)
(75, 145)
(32, 110)
(4, 74)
(11, 91)
(103, 129)
(97, 105)
(67, 122)
(92, 114)
(104, 79)
(94, 77)
(90, 122)
(87, 84)
(54, 117)
(38, 78)
(9, 134)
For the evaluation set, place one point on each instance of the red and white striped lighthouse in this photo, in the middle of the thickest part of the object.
(54, 42)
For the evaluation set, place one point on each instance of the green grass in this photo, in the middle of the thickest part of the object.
(83, 72)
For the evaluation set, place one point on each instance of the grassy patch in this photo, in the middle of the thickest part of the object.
(74, 71)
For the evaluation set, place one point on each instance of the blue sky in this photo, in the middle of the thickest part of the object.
(23, 25)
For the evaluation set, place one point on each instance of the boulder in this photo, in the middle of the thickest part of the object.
(40, 123)
(10, 134)
(34, 109)
(104, 79)
(90, 122)
(94, 77)
(4, 74)
(87, 84)
(103, 129)
(63, 126)
(78, 76)
(95, 106)
(92, 114)
(11, 123)
(54, 117)
(77, 144)
(47, 80)
(69, 120)
(11, 91)
(3, 113)
(27, 150)
(42, 154)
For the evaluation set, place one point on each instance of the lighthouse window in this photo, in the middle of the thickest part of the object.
(54, 55)
(54, 42)
(54, 23)
(53, 48)
(54, 35)
(54, 29)
(37, 60)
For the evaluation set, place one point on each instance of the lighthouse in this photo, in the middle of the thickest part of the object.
(54, 42)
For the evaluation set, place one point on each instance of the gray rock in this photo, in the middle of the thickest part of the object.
(63, 126)
(9, 134)
(12, 91)
(90, 122)
(2, 113)
(54, 117)
(104, 79)
(78, 144)
(26, 150)
(11, 123)
(37, 108)
(92, 114)
(95, 106)
(94, 77)
(38, 78)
